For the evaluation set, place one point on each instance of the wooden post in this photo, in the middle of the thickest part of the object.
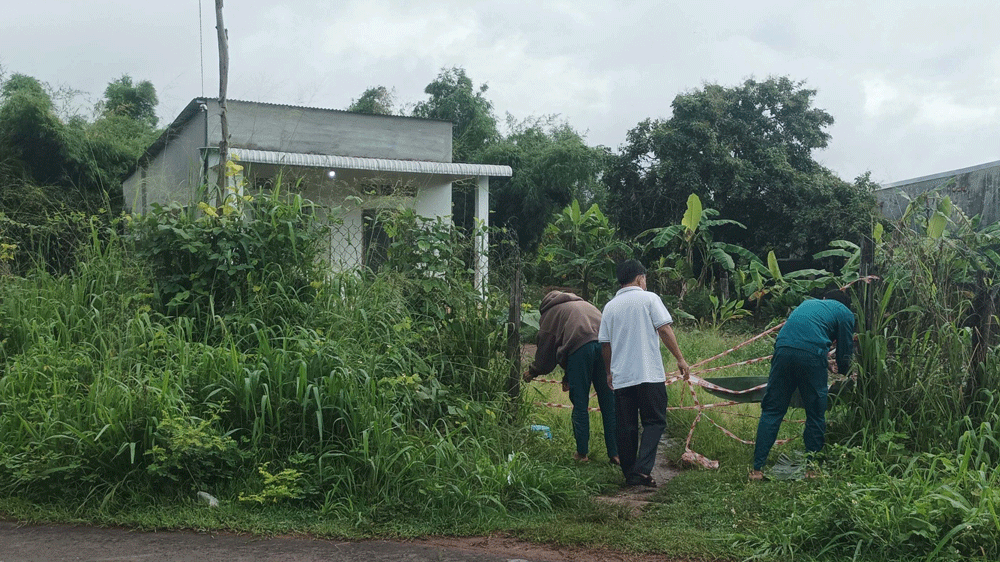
(865, 268)
(223, 35)
(514, 338)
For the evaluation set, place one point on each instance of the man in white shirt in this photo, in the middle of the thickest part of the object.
(633, 324)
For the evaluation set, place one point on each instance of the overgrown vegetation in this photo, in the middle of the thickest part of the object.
(60, 173)
(365, 398)
(143, 359)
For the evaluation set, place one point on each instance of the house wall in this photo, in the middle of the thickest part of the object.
(171, 174)
(975, 190)
(308, 130)
(175, 172)
(428, 195)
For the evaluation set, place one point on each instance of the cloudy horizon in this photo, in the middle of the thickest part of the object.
(912, 86)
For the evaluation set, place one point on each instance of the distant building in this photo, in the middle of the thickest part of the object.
(975, 190)
(331, 156)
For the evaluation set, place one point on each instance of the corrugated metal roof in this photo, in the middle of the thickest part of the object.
(371, 164)
(940, 175)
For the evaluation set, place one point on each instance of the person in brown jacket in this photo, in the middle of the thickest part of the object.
(567, 336)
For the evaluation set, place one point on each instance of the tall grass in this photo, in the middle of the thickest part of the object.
(915, 351)
(886, 507)
(344, 395)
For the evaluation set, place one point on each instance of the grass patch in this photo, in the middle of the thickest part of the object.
(348, 405)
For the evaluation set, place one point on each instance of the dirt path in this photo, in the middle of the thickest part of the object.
(66, 543)
(635, 497)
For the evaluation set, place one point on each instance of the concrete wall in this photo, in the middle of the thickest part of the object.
(975, 190)
(173, 174)
(308, 130)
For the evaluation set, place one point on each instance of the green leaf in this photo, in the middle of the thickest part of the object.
(935, 225)
(833, 254)
(945, 207)
(721, 257)
(772, 265)
(663, 236)
(692, 216)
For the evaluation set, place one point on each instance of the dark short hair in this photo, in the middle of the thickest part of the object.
(839, 296)
(628, 270)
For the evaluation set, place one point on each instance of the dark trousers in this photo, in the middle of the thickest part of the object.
(585, 367)
(646, 402)
(792, 369)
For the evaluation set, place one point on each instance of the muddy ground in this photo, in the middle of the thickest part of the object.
(66, 543)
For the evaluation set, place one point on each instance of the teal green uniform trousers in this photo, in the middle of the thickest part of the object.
(792, 369)
(585, 367)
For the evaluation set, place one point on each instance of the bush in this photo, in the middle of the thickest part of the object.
(933, 507)
(216, 258)
(353, 394)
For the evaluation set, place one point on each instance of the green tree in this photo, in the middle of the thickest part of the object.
(80, 163)
(552, 165)
(24, 84)
(377, 100)
(135, 100)
(698, 254)
(747, 152)
(454, 98)
(32, 138)
(580, 247)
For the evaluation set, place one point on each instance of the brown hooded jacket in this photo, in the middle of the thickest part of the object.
(567, 322)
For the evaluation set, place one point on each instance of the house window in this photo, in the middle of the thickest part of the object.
(263, 184)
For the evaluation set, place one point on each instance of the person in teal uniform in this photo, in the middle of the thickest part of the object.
(800, 361)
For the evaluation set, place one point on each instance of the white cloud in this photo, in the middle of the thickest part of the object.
(912, 84)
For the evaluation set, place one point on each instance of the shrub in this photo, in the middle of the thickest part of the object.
(214, 258)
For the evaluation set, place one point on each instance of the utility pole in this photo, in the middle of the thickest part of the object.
(223, 84)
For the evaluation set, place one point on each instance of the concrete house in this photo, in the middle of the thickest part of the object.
(975, 190)
(331, 156)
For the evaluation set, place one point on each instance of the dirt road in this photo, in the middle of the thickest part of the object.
(65, 543)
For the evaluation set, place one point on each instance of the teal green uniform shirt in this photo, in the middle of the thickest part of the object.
(813, 326)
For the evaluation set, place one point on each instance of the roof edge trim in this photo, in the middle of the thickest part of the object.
(370, 164)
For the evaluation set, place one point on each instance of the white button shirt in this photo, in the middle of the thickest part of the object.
(629, 324)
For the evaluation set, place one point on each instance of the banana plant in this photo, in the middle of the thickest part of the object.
(579, 245)
(693, 238)
(759, 281)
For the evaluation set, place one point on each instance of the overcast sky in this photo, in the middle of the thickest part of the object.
(913, 85)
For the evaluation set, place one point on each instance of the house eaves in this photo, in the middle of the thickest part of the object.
(452, 169)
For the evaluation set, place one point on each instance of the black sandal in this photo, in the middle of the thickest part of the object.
(641, 480)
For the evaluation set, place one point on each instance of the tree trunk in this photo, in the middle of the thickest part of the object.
(223, 84)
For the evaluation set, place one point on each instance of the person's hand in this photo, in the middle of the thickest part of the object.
(684, 368)
(610, 385)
